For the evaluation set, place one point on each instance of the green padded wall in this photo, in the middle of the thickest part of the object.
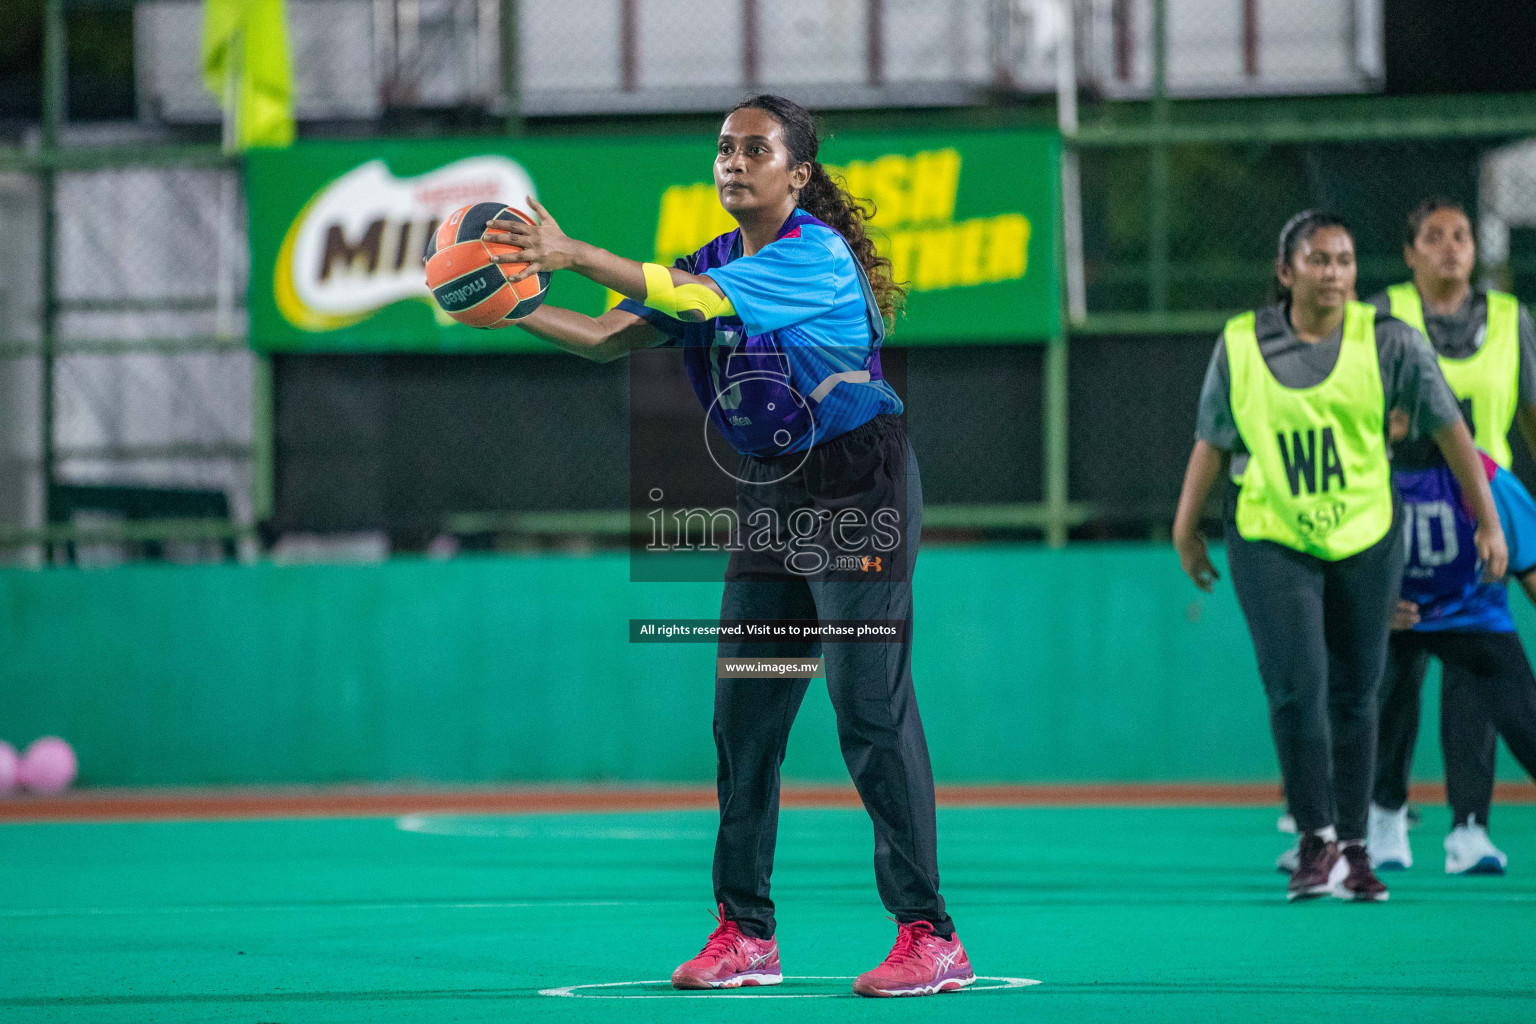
(1095, 663)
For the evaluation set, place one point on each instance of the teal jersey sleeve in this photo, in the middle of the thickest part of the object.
(797, 278)
(1517, 514)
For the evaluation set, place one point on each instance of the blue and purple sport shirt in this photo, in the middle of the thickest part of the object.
(799, 363)
(1443, 575)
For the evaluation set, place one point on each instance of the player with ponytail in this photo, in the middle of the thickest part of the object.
(781, 322)
(831, 203)
(1295, 407)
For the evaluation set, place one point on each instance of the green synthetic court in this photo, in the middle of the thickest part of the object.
(1121, 914)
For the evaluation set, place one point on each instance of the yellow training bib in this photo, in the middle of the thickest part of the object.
(1318, 479)
(1486, 382)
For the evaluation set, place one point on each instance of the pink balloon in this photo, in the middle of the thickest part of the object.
(48, 766)
(10, 764)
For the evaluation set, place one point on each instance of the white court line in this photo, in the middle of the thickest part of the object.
(753, 992)
(501, 826)
(286, 907)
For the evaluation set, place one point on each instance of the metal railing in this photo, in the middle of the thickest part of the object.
(1158, 255)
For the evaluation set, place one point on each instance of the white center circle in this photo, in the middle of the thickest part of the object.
(752, 992)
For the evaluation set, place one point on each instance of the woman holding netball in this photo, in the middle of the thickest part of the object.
(1296, 397)
(781, 323)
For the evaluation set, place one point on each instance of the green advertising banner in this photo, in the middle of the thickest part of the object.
(337, 229)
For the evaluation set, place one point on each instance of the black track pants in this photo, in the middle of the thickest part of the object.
(1487, 690)
(870, 684)
(1319, 631)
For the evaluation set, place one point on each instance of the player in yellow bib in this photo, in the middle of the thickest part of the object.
(1485, 342)
(1295, 403)
(1484, 339)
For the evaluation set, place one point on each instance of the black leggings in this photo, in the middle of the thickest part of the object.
(1319, 631)
(870, 468)
(1487, 690)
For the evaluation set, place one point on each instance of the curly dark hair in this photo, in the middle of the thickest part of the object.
(829, 201)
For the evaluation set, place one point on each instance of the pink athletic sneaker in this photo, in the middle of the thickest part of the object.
(730, 959)
(920, 964)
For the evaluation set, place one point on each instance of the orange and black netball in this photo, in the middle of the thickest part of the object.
(466, 284)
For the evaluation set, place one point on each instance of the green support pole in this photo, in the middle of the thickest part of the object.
(1158, 180)
(53, 116)
(1157, 230)
(1055, 430)
(511, 71)
(263, 459)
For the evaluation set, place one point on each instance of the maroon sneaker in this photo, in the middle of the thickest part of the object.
(730, 960)
(1361, 884)
(1313, 876)
(920, 964)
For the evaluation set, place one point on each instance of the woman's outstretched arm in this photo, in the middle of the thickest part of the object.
(1455, 443)
(1199, 476)
(598, 338)
(546, 248)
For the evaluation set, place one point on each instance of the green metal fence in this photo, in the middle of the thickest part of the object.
(133, 354)
(1180, 204)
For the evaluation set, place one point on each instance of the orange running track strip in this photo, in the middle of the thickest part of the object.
(342, 802)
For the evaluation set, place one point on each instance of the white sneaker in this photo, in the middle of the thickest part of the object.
(1469, 851)
(1387, 839)
(1290, 860)
(1286, 823)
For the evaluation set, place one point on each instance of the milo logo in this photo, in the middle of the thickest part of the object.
(356, 245)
